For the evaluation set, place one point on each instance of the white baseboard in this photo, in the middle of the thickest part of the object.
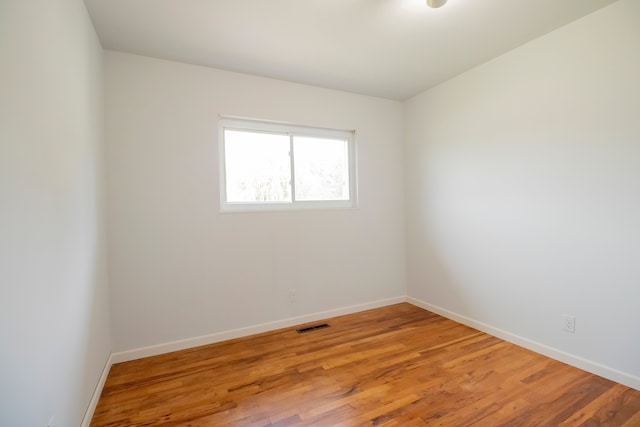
(570, 359)
(93, 403)
(125, 356)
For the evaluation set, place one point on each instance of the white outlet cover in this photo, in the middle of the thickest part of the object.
(569, 323)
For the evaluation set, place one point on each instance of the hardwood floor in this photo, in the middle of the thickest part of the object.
(394, 366)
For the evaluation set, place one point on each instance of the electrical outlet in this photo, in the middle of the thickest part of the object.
(569, 323)
(292, 295)
(51, 422)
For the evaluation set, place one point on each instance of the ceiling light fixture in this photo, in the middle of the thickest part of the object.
(436, 3)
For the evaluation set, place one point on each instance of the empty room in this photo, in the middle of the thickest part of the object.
(319, 212)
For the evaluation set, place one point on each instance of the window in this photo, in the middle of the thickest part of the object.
(268, 165)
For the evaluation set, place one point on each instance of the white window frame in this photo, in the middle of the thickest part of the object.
(242, 124)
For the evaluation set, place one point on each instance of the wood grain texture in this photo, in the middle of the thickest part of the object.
(393, 366)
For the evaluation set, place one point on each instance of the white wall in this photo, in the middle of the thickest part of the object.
(54, 326)
(178, 268)
(523, 191)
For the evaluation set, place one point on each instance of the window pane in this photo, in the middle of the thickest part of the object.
(321, 168)
(257, 166)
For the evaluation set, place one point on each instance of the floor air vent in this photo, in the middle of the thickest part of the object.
(312, 328)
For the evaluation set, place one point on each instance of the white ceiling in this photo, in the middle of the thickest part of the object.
(387, 48)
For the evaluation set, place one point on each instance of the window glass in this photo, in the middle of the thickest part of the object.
(321, 168)
(257, 167)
